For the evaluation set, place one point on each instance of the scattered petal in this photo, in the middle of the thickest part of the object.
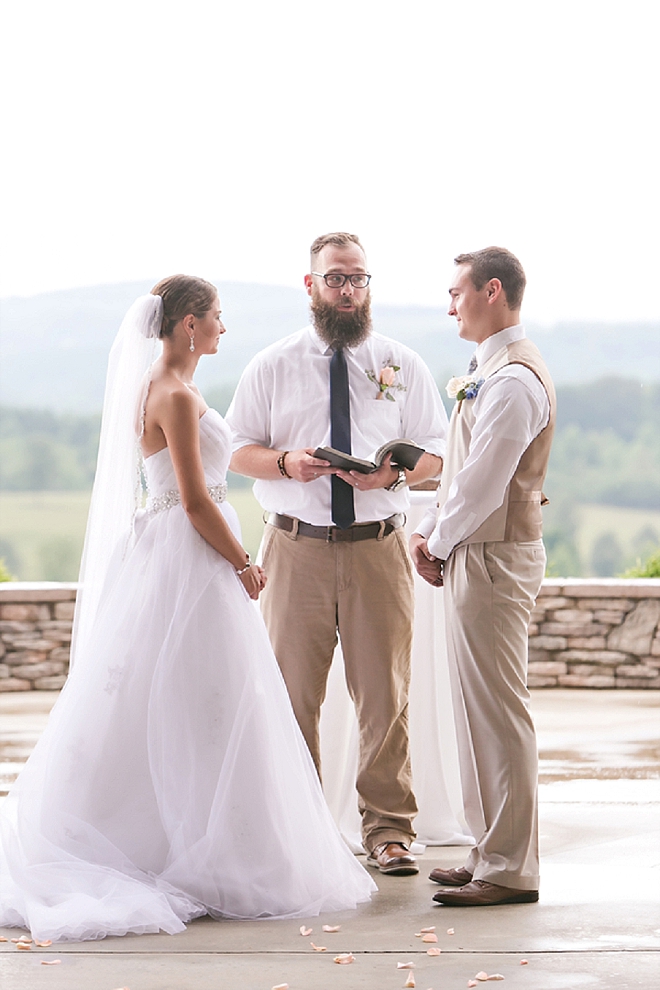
(425, 931)
(450, 931)
(472, 983)
(42, 945)
(344, 958)
(496, 976)
(305, 931)
(281, 986)
(50, 962)
(481, 976)
(524, 962)
(318, 948)
(3, 939)
(434, 952)
(331, 928)
(410, 982)
(24, 945)
(408, 965)
(429, 937)
(418, 934)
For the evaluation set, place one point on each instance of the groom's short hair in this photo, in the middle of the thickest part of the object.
(496, 262)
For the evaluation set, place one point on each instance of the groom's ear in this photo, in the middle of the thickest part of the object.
(308, 284)
(494, 291)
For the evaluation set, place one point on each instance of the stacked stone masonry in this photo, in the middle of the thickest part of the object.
(584, 633)
(596, 634)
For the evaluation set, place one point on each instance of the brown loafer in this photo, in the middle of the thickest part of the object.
(393, 858)
(480, 893)
(454, 877)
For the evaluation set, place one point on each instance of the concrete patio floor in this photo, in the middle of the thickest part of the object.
(597, 924)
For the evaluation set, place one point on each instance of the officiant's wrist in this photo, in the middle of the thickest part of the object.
(282, 466)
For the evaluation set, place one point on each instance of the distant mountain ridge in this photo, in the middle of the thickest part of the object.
(54, 346)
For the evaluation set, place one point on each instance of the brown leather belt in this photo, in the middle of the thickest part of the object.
(333, 534)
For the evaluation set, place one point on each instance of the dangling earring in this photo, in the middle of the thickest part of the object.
(192, 341)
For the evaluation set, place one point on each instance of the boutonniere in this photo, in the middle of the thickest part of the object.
(386, 380)
(464, 387)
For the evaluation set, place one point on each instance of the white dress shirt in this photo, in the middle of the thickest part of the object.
(283, 403)
(511, 408)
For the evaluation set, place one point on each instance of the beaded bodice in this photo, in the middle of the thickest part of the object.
(215, 443)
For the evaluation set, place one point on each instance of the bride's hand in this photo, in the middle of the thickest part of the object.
(253, 580)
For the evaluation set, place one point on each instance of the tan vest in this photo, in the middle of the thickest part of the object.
(518, 519)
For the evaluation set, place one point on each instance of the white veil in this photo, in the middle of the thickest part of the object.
(117, 487)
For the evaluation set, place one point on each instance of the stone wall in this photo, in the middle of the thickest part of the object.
(35, 634)
(596, 633)
(585, 633)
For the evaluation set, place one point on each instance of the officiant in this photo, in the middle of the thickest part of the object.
(333, 547)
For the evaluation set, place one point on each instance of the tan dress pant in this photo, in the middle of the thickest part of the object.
(490, 589)
(364, 592)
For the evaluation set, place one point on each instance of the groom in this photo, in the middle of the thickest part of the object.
(334, 548)
(485, 545)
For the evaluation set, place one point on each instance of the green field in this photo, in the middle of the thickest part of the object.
(41, 533)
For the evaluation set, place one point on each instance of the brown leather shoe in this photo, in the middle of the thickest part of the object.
(393, 858)
(480, 893)
(454, 877)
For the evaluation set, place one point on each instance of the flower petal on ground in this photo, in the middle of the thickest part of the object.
(319, 948)
(42, 945)
(450, 931)
(496, 976)
(23, 945)
(481, 976)
(410, 982)
(472, 983)
(426, 931)
(408, 965)
(331, 928)
(344, 958)
(433, 952)
(524, 962)
(429, 937)
(281, 986)
(50, 962)
(305, 931)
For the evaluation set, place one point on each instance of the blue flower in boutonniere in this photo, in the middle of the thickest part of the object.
(386, 380)
(464, 387)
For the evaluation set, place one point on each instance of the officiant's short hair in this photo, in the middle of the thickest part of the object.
(496, 262)
(339, 239)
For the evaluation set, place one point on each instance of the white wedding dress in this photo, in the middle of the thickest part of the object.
(172, 780)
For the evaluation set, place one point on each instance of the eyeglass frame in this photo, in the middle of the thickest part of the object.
(345, 278)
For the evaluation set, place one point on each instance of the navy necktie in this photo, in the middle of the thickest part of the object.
(343, 506)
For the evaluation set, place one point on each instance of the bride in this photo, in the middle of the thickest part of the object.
(172, 780)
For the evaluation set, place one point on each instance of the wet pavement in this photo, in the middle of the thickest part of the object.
(597, 925)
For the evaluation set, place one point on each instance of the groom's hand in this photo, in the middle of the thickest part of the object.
(426, 565)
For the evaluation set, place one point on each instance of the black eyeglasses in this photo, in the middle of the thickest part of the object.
(334, 280)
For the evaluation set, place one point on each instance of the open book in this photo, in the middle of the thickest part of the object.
(405, 454)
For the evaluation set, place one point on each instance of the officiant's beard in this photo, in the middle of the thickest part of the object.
(337, 327)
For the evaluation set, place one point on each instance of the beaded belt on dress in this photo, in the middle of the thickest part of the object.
(167, 500)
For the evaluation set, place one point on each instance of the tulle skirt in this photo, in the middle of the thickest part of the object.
(172, 779)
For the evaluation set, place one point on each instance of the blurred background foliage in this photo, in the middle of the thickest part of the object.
(603, 483)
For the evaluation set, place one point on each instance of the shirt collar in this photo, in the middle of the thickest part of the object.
(502, 338)
(325, 348)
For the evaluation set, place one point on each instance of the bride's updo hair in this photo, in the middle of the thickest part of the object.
(181, 295)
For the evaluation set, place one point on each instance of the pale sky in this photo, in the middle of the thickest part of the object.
(148, 137)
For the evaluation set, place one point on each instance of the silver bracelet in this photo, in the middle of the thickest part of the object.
(247, 567)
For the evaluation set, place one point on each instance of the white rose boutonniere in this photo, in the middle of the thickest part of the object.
(386, 380)
(464, 387)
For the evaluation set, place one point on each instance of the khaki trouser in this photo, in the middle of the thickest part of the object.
(490, 589)
(364, 591)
